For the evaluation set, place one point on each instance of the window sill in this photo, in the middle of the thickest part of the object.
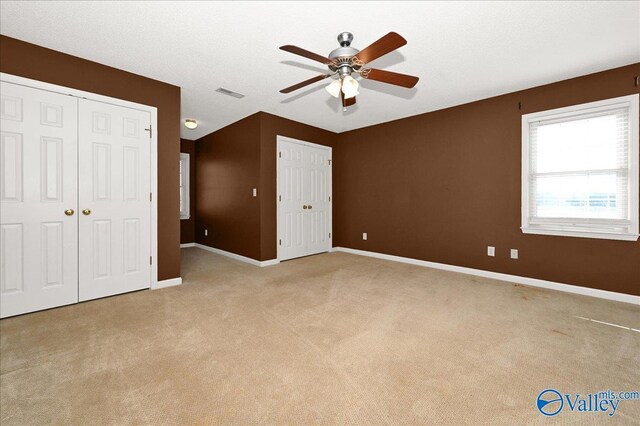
(581, 234)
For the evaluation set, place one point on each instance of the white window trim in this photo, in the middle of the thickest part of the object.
(184, 177)
(570, 227)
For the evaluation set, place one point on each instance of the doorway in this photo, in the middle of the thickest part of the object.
(304, 222)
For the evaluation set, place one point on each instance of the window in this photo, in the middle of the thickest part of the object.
(184, 186)
(580, 170)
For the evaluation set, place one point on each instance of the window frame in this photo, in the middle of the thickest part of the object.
(185, 212)
(579, 227)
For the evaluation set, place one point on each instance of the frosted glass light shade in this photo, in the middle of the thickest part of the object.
(334, 88)
(349, 87)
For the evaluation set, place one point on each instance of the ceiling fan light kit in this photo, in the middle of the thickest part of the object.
(346, 60)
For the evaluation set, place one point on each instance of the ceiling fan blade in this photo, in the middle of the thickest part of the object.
(302, 52)
(386, 44)
(305, 83)
(347, 102)
(403, 80)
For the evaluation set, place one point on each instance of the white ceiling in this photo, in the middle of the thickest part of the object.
(462, 51)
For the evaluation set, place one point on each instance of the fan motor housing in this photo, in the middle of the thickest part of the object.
(342, 57)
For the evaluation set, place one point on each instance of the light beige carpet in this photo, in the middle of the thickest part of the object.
(329, 339)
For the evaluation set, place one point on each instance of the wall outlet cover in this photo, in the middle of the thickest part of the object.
(514, 253)
(491, 251)
(364, 235)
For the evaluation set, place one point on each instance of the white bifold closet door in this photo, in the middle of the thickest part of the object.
(318, 195)
(38, 200)
(304, 199)
(114, 200)
(75, 208)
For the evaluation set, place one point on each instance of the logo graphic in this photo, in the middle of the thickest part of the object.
(549, 402)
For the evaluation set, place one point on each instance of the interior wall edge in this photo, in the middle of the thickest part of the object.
(227, 170)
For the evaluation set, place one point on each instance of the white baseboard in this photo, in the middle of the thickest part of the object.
(186, 245)
(534, 282)
(269, 262)
(167, 283)
(239, 257)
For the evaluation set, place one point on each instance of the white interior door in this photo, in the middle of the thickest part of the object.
(318, 170)
(114, 199)
(38, 183)
(304, 198)
(291, 186)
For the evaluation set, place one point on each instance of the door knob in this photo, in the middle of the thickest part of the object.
(86, 212)
(310, 207)
(69, 212)
(304, 207)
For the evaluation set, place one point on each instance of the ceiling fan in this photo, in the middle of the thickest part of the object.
(346, 60)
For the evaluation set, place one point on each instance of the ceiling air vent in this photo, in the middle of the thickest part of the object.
(229, 93)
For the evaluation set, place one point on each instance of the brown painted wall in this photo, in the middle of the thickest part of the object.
(442, 186)
(227, 169)
(38, 63)
(187, 226)
(229, 164)
(271, 127)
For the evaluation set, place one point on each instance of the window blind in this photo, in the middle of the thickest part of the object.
(579, 169)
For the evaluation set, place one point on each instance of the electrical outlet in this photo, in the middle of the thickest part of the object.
(206, 232)
(491, 251)
(514, 253)
(255, 192)
(364, 235)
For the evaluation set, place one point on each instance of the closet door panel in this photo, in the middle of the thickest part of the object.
(114, 175)
(319, 191)
(291, 187)
(38, 184)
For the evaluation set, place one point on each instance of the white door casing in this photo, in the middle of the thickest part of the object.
(114, 189)
(304, 198)
(38, 183)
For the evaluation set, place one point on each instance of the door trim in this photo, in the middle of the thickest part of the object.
(153, 111)
(280, 138)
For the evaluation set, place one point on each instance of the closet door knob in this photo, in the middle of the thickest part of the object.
(69, 212)
(310, 207)
(86, 212)
(304, 207)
